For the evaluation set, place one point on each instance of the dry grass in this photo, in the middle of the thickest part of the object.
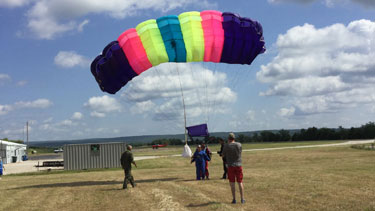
(334, 178)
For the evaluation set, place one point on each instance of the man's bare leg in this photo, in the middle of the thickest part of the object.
(240, 186)
(233, 189)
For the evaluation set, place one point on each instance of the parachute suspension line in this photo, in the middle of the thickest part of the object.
(171, 73)
(214, 99)
(206, 91)
(160, 87)
(196, 89)
(215, 106)
(237, 78)
(221, 96)
(183, 104)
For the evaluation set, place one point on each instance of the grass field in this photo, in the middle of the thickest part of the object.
(332, 178)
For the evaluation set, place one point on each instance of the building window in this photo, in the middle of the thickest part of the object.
(95, 149)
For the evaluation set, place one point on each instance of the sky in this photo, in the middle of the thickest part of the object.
(318, 70)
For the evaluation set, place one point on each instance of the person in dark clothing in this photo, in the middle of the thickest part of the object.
(200, 158)
(126, 160)
(208, 153)
(221, 141)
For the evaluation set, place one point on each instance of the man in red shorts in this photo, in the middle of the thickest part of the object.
(232, 153)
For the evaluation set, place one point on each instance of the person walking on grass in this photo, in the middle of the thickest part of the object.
(232, 153)
(221, 141)
(126, 160)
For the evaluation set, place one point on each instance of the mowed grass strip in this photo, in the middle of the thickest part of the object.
(176, 150)
(332, 178)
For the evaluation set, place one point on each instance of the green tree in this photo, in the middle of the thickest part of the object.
(284, 135)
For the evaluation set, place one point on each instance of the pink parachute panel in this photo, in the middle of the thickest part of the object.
(213, 35)
(132, 46)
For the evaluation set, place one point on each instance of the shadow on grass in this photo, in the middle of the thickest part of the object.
(192, 180)
(91, 183)
(203, 204)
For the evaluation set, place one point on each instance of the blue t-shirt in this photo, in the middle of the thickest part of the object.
(1, 167)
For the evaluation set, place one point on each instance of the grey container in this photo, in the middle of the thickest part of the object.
(91, 156)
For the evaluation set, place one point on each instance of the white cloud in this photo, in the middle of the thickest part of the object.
(364, 3)
(69, 59)
(48, 120)
(286, 112)
(329, 3)
(14, 132)
(13, 3)
(323, 70)
(4, 109)
(67, 122)
(102, 105)
(307, 86)
(84, 23)
(97, 114)
(250, 115)
(39, 103)
(4, 78)
(157, 91)
(50, 18)
(77, 116)
(141, 107)
(21, 83)
(291, 1)
(36, 104)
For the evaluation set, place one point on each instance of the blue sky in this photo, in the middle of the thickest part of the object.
(318, 70)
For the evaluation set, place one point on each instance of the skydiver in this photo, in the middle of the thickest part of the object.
(200, 158)
(208, 153)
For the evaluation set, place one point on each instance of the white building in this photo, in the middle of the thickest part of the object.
(11, 152)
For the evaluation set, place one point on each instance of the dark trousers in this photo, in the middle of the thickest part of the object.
(128, 178)
(225, 169)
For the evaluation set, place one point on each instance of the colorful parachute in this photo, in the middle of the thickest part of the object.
(208, 36)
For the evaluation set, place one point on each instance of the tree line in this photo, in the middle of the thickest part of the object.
(366, 131)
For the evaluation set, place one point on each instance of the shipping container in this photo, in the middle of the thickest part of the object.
(92, 156)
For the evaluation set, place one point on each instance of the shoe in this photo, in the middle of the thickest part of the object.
(133, 184)
(242, 201)
(234, 201)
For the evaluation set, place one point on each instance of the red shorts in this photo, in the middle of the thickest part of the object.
(235, 173)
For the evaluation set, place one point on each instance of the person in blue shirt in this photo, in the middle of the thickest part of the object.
(200, 157)
(1, 167)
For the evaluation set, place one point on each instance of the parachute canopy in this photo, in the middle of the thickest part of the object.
(187, 151)
(207, 36)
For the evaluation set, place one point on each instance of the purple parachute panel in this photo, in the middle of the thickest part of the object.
(198, 130)
(243, 39)
(111, 69)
